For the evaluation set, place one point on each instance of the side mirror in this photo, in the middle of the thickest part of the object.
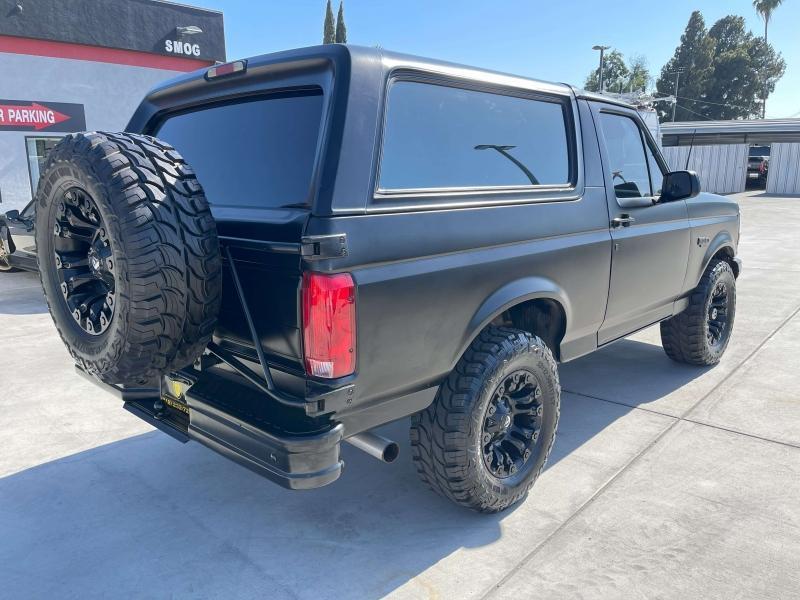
(680, 185)
(13, 215)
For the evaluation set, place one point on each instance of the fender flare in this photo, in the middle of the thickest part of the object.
(507, 296)
(721, 241)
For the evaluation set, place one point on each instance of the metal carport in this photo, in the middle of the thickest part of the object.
(719, 152)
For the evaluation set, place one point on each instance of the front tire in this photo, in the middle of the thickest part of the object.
(700, 334)
(485, 439)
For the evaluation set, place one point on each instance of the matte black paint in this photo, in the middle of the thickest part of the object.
(432, 269)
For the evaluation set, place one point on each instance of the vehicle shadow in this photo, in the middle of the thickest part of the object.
(21, 294)
(148, 513)
(630, 372)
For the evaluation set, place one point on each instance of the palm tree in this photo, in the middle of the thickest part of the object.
(765, 8)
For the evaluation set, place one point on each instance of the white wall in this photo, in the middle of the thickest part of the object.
(110, 93)
(722, 168)
(784, 169)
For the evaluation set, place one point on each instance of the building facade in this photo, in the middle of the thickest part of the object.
(75, 65)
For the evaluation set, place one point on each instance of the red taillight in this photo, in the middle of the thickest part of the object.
(329, 324)
(237, 66)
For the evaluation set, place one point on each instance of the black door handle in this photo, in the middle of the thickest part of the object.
(622, 221)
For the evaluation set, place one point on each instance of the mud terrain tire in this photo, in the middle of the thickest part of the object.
(128, 255)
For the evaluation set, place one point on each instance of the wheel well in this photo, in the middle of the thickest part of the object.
(726, 253)
(542, 317)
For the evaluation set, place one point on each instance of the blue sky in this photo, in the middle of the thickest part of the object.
(545, 40)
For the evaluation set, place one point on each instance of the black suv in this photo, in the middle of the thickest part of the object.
(364, 236)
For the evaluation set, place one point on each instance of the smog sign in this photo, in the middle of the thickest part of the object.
(37, 115)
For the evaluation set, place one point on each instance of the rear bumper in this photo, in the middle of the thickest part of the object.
(294, 460)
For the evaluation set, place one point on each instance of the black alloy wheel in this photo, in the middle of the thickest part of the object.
(84, 262)
(512, 424)
(486, 437)
(717, 321)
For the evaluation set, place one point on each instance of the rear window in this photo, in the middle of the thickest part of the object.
(447, 137)
(254, 153)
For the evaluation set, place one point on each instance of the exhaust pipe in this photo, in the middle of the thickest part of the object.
(375, 445)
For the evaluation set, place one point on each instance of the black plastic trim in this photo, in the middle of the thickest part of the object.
(291, 461)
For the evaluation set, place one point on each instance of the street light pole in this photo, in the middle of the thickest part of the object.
(602, 50)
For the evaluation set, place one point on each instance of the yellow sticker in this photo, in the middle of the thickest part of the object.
(177, 389)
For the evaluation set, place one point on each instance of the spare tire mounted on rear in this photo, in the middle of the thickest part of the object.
(128, 255)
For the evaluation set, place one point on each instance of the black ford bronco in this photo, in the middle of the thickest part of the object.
(284, 252)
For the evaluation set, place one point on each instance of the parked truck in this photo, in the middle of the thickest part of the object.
(281, 254)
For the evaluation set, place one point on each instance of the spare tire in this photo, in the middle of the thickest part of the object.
(128, 255)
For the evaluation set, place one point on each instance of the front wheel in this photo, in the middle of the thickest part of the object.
(5, 252)
(700, 334)
(484, 440)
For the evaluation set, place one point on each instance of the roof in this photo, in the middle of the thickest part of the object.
(367, 62)
(736, 127)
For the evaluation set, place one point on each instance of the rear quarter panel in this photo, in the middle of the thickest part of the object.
(423, 279)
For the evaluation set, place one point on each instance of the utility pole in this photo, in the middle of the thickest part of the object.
(677, 72)
(602, 55)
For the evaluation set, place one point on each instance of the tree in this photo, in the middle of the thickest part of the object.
(341, 28)
(769, 65)
(727, 72)
(765, 8)
(639, 74)
(618, 76)
(733, 91)
(615, 74)
(746, 69)
(693, 59)
(328, 32)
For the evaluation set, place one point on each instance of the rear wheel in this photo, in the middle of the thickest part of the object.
(128, 255)
(486, 437)
(700, 334)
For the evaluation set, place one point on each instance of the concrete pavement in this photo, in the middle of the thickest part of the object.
(665, 481)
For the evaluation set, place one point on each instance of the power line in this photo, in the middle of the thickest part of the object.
(714, 103)
(697, 113)
(706, 101)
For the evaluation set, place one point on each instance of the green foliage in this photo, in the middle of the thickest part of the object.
(639, 77)
(341, 28)
(695, 57)
(617, 76)
(765, 8)
(328, 32)
(727, 71)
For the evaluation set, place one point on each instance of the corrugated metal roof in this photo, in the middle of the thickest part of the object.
(735, 127)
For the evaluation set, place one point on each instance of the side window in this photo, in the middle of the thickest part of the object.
(626, 156)
(439, 137)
